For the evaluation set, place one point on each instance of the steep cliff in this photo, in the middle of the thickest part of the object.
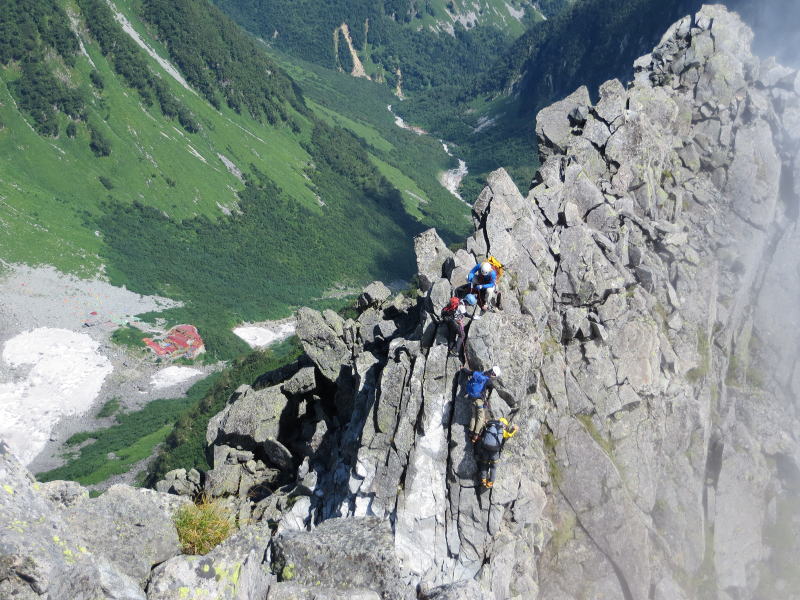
(648, 339)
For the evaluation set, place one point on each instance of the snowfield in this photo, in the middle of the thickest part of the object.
(171, 376)
(55, 373)
(258, 336)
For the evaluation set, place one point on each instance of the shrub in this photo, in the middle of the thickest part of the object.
(201, 527)
(97, 80)
(98, 142)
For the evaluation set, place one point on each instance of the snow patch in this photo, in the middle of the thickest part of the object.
(165, 64)
(173, 376)
(516, 13)
(398, 120)
(54, 373)
(75, 27)
(229, 164)
(258, 336)
(484, 123)
(452, 179)
(417, 197)
(196, 153)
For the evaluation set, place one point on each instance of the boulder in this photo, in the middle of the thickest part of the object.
(94, 580)
(38, 549)
(431, 254)
(553, 125)
(180, 483)
(343, 554)
(322, 344)
(303, 382)
(250, 418)
(64, 493)
(131, 527)
(375, 293)
(461, 590)
(234, 570)
(294, 591)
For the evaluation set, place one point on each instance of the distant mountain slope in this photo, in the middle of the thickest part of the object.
(410, 43)
(156, 143)
(492, 116)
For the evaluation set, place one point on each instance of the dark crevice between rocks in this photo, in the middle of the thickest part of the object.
(790, 200)
(712, 470)
(788, 472)
(624, 586)
(484, 217)
(449, 466)
(747, 219)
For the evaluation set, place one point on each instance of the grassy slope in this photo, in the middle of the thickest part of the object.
(411, 162)
(132, 439)
(47, 183)
(67, 207)
(54, 194)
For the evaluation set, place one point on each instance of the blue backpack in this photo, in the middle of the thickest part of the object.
(492, 438)
(476, 384)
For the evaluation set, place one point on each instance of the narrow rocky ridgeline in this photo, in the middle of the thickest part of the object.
(648, 339)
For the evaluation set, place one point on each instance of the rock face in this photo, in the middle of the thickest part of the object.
(101, 548)
(648, 339)
(348, 553)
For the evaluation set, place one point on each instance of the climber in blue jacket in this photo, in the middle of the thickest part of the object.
(483, 279)
(479, 388)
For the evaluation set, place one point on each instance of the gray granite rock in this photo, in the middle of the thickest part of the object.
(237, 569)
(343, 554)
(133, 528)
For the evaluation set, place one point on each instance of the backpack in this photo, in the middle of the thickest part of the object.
(492, 438)
(476, 384)
(497, 266)
(449, 312)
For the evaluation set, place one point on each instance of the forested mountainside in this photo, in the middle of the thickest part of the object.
(155, 142)
(476, 87)
(492, 117)
(413, 44)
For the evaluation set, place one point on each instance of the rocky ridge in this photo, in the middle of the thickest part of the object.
(648, 339)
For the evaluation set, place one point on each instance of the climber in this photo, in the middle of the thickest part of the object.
(487, 453)
(479, 389)
(453, 314)
(483, 279)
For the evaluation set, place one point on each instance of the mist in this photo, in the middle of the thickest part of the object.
(776, 24)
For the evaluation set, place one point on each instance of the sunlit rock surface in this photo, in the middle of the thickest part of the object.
(648, 339)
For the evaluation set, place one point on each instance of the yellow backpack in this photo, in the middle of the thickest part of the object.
(497, 266)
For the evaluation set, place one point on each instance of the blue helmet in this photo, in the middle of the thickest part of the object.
(471, 299)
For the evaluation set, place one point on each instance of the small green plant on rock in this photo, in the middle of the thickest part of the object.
(704, 351)
(203, 526)
(110, 408)
(549, 441)
(287, 573)
(607, 444)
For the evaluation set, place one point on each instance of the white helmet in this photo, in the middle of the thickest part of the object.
(496, 371)
(486, 268)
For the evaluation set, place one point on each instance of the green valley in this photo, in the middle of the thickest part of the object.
(407, 44)
(203, 175)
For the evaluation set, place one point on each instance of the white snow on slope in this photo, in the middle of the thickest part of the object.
(54, 373)
(451, 179)
(259, 337)
(164, 63)
(173, 376)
